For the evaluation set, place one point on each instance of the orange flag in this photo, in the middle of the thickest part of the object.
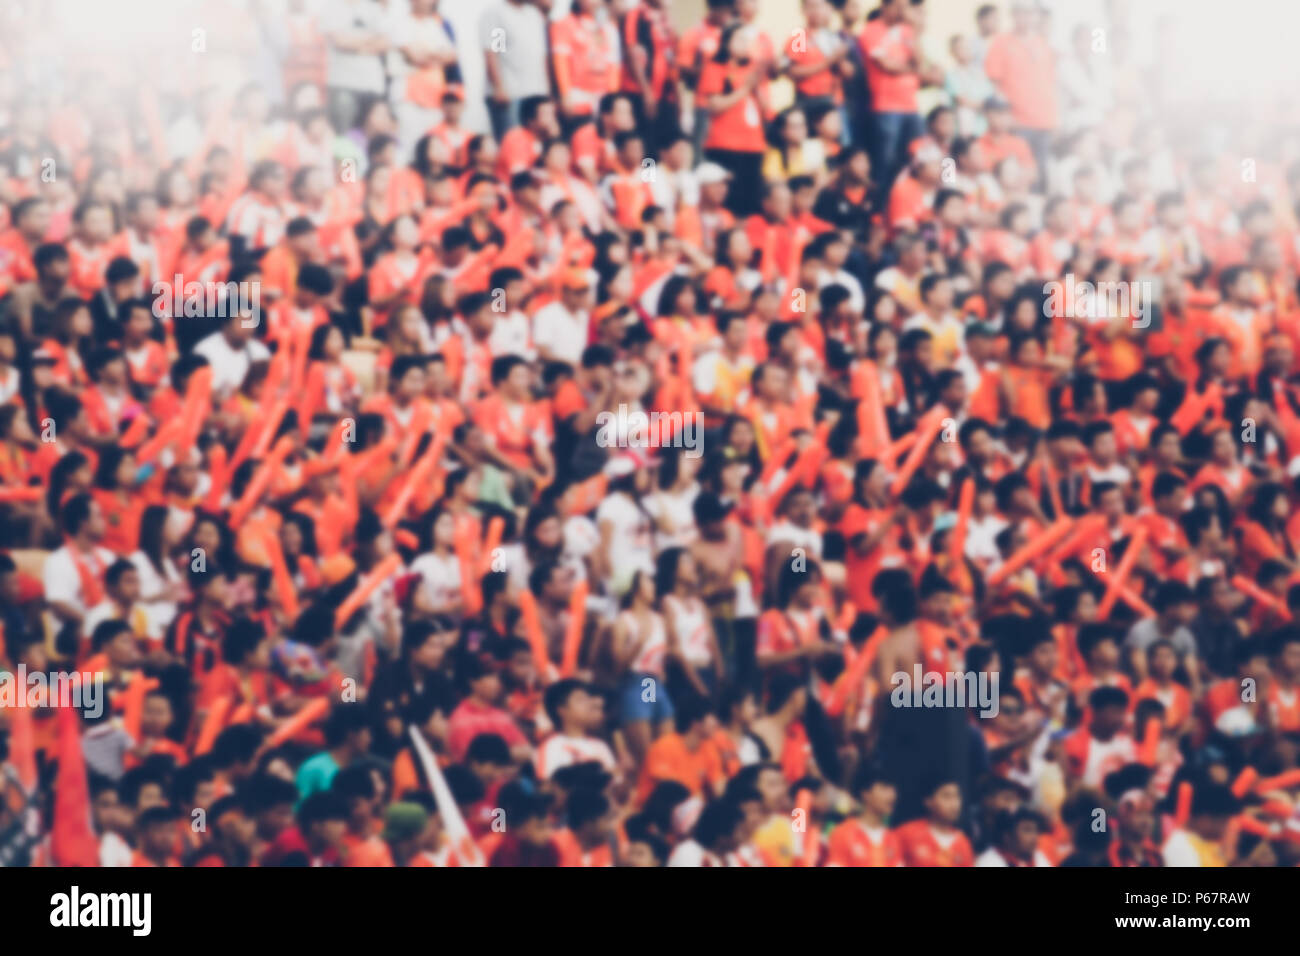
(213, 724)
(284, 587)
(258, 485)
(495, 529)
(927, 429)
(573, 633)
(1135, 545)
(1031, 551)
(366, 587)
(1183, 808)
(873, 430)
(133, 708)
(1245, 782)
(72, 841)
(533, 629)
(850, 681)
(965, 504)
(470, 593)
(306, 716)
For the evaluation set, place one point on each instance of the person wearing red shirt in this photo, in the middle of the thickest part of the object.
(588, 838)
(1284, 689)
(156, 829)
(697, 46)
(935, 840)
(256, 219)
(649, 71)
(31, 221)
(911, 200)
(521, 146)
(816, 56)
(91, 248)
(585, 57)
(999, 142)
(866, 840)
(1022, 66)
(730, 91)
(890, 51)
(479, 714)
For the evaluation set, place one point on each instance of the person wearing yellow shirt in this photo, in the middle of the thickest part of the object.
(794, 153)
(1200, 842)
(947, 331)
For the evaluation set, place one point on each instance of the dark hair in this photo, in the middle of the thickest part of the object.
(240, 640)
(717, 820)
(343, 721)
(115, 571)
(321, 807)
(584, 806)
(106, 631)
(1104, 697)
(557, 696)
(76, 512)
(894, 589)
(690, 712)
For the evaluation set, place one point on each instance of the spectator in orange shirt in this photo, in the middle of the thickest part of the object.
(729, 89)
(521, 146)
(687, 756)
(1022, 65)
(892, 57)
(866, 840)
(156, 836)
(934, 840)
(588, 838)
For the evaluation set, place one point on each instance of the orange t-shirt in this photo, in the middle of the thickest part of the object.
(890, 92)
(921, 847)
(739, 127)
(1024, 69)
(572, 853)
(851, 844)
(669, 759)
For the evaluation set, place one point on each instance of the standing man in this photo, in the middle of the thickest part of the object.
(650, 70)
(354, 30)
(1022, 66)
(513, 34)
(892, 57)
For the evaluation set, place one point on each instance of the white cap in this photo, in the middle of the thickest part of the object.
(929, 153)
(620, 466)
(706, 174)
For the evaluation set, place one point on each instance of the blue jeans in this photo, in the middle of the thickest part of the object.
(893, 132)
(503, 116)
(633, 702)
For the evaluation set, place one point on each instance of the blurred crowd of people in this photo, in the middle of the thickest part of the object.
(555, 455)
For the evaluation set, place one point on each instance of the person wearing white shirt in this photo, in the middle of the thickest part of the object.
(1015, 841)
(231, 353)
(671, 503)
(560, 328)
(421, 39)
(511, 332)
(689, 853)
(626, 529)
(158, 584)
(510, 336)
(575, 713)
(357, 42)
(513, 37)
(1085, 82)
(70, 572)
(995, 857)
